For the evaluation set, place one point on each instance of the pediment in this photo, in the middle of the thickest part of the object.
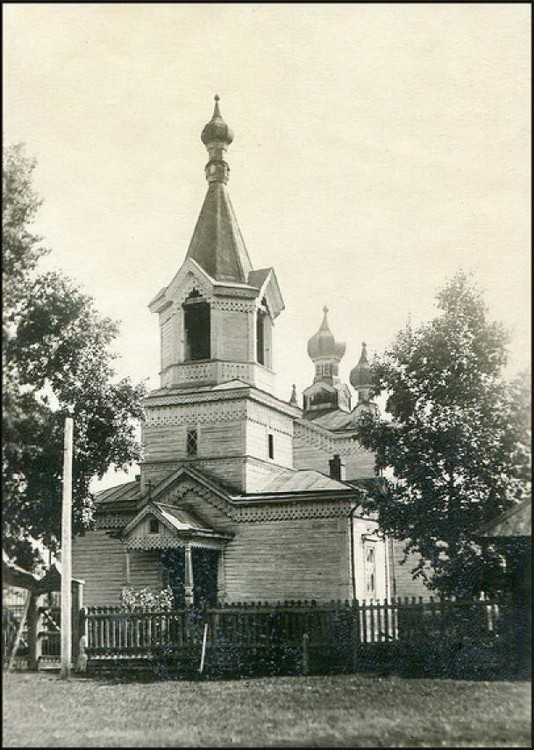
(190, 276)
(189, 489)
(160, 526)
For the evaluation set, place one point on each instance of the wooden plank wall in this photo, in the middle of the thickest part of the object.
(233, 339)
(99, 560)
(222, 439)
(295, 559)
(164, 441)
(306, 456)
(402, 582)
(146, 570)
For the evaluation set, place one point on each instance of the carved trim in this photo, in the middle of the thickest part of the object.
(290, 512)
(189, 283)
(237, 305)
(111, 521)
(327, 441)
(178, 493)
(161, 541)
(194, 413)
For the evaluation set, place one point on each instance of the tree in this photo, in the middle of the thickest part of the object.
(57, 359)
(457, 441)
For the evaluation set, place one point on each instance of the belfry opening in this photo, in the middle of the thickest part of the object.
(197, 327)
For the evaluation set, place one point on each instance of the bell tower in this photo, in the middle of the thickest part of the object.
(215, 409)
(216, 316)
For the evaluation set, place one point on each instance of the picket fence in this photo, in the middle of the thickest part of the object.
(340, 634)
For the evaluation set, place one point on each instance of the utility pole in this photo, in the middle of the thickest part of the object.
(66, 554)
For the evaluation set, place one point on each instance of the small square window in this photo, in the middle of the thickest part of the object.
(153, 526)
(270, 445)
(192, 442)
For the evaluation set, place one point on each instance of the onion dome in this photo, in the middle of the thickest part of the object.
(360, 376)
(217, 130)
(323, 345)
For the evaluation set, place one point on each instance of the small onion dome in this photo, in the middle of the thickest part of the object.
(360, 375)
(217, 130)
(323, 345)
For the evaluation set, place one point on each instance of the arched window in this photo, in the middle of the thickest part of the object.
(197, 327)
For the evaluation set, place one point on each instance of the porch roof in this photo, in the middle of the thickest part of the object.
(180, 527)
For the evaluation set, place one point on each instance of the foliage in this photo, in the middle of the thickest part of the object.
(145, 600)
(457, 441)
(57, 359)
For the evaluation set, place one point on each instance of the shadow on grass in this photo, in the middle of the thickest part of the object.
(155, 673)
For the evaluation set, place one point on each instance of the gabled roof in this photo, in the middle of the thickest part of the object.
(514, 522)
(264, 279)
(177, 519)
(289, 485)
(217, 244)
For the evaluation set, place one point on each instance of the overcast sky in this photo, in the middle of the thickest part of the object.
(377, 148)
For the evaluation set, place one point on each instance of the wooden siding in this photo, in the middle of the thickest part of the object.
(233, 339)
(228, 471)
(223, 439)
(99, 560)
(402, 583)
(146, 570)
(239, 474)
(256, 439)
(262, 421)
(293, 559)
(166, 342)
(307, 456)
(256, 442)
(169, 441)
(164, 441)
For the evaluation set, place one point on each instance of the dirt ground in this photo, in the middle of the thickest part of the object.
(40, 710)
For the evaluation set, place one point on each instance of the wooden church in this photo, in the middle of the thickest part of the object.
(241, 496)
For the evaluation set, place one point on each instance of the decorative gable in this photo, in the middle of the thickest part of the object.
(162, 526)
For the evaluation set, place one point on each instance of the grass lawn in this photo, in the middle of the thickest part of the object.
(40, 710)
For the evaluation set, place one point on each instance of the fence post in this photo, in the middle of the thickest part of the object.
(305, 654)
(77, 603)
(81, 664)
(355, 633)
(34, 642)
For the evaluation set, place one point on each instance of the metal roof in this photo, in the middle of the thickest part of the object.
(217, 244)
(300, 481)
(119, 493)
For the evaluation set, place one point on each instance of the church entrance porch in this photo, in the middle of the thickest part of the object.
(192, 575)
(168, 545)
